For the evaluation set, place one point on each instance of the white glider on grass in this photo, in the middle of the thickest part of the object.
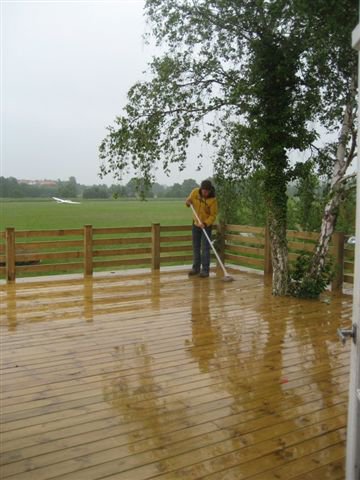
(61, 200)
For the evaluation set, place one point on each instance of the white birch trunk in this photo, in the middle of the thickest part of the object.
(337, 186)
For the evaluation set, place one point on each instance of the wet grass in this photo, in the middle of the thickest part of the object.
(48, 215)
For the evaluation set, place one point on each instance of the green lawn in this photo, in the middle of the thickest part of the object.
(44, 215)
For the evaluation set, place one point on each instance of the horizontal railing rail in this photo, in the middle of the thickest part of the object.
(249, 247)
(245, 246)
(89, 249)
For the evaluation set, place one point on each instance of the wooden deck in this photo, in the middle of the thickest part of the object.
(142, 376)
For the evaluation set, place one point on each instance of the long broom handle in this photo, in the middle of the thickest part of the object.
(210, 242)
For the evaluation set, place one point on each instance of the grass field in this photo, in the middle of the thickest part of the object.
(44, 215)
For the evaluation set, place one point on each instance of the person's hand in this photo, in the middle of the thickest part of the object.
(188, 203)
(201, 225)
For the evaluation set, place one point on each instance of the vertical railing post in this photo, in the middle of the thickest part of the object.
(338, 240)
(10, 254)
(221, 244)
(267, 252)
(155, 246)
(88, 250)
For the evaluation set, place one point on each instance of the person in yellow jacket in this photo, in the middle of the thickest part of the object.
(204, 201)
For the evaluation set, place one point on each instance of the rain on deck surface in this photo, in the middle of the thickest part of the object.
(139, 376)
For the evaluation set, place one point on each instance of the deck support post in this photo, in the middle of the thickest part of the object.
(88, 250)
(10, 255)
(339, 245)
(155, 246)
(220, 243)
(267, 252)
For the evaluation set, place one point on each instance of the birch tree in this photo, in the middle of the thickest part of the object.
(334, 65)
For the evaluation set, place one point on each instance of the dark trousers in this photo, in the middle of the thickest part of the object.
(201, 249)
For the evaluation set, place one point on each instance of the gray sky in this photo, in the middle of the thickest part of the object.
(66, 69)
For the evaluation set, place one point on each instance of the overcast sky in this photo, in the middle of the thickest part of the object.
(66, 69)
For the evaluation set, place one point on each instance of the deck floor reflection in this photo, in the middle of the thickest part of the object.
(160, 376)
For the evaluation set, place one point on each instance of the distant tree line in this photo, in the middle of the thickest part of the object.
(12, 188)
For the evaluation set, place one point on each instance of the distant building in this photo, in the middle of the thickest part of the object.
(41, 183)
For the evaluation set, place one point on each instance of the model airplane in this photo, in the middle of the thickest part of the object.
(61, 200)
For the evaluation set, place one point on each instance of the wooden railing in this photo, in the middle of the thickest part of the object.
(92, 249)
(250, 247)
(89, 249)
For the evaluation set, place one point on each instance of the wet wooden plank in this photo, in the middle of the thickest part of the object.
(158, 375)
(331, 471)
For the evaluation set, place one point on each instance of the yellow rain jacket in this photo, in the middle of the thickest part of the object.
(206, 208)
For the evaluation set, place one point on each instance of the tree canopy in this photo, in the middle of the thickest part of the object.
(223, 58)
